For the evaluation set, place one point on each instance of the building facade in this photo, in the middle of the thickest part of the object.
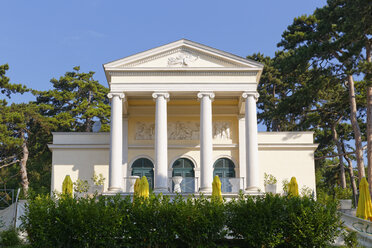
(180, 114)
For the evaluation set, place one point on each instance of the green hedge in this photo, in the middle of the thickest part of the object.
(265, 221)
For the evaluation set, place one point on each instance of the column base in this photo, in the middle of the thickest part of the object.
(161, 190)
(205, 190)
(114, 190)
(252, 189)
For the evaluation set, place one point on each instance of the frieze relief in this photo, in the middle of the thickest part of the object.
(183, 130)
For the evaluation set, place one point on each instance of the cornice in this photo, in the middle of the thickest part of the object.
(261, 147)
(182, 73)
(288, 146)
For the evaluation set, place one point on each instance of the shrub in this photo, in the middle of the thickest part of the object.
(257, 220)
(275, 221)
(200, 222)
(9, 238)
(158, 221)
(350, 239)
(341, 193)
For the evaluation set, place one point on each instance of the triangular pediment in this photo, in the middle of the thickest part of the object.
(183, 54)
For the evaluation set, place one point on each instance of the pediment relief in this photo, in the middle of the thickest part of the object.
(180, 58)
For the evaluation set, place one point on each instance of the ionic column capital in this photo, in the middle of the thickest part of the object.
(155, 95)
(211, 95)
(121, 95)
(254, 94)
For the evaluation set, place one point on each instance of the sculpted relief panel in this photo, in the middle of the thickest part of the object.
(182, 130)
(183, 59)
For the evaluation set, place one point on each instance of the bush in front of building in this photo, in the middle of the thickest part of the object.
(9, 237)
(281, 221)
(269, 221)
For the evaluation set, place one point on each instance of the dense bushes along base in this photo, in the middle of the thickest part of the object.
(261, 221)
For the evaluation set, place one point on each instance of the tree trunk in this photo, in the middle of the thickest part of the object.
(88, 120)
(339, 151)
(351, 173)
(369, 121)
(356, 129)
(23, 170)
(352, 179)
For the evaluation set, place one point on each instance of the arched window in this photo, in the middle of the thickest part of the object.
(144, 167)
(224, 168)
(185, 168)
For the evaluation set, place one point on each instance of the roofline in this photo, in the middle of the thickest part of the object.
(195, 44)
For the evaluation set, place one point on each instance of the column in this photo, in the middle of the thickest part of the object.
(116, 142)
(242, 151)
(126, 186)
(251, 141)
(206, 147)
(161, 142)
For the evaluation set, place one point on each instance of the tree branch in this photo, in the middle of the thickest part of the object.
(336, 155)
(2, 161)
(5, 165)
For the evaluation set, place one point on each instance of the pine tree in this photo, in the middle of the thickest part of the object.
(75, 101)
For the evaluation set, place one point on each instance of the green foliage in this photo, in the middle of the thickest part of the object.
(75, 102)
(8, 88)
(158, 221)
(275, 221)
(350, 239)
(341, 193)
(306, 191)
(81, 186)
(285, 186)
(98, 179)
(269, 179)
(67, 186)
(9, 238)
(200, 222)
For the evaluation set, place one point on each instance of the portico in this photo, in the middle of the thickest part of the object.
(183, 70)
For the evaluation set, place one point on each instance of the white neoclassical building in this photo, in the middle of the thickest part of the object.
(180, 114)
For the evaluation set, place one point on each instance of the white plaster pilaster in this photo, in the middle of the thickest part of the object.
(206, 146)
(116, 142)
(161, 142)
(252, 167)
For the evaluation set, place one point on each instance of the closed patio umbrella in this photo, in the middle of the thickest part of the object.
(67, 186)
(144, 188)
(364, 209)
(216, 189)
(136, 187)
(293, 187)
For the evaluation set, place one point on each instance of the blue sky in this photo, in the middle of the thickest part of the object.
(44, 39)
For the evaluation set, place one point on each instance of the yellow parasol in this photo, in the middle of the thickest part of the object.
(67, 186)
(136, 188)
(216, 189)
(293, 187)
(144, 188)
(364, 209)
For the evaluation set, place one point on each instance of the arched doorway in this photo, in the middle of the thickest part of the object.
(224, 168)
(185, 168)
(144, 167)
